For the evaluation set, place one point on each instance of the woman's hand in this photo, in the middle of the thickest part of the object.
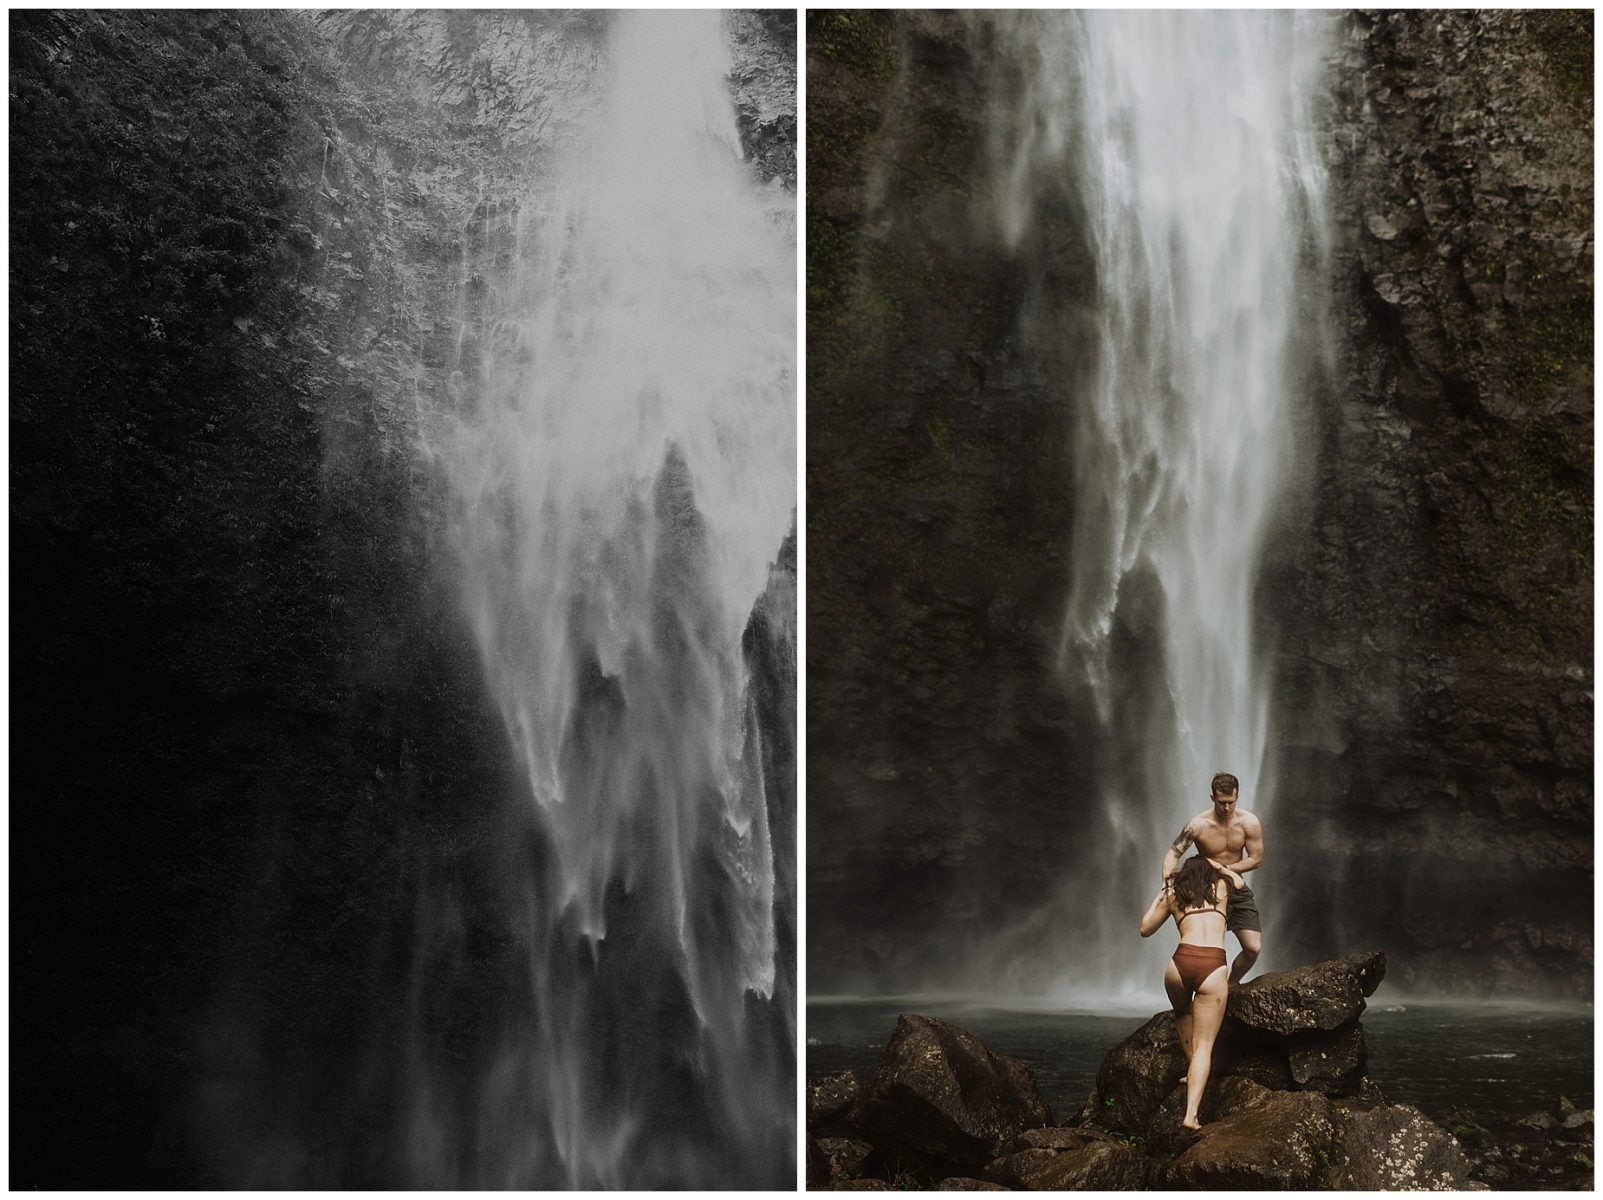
(1157, 913)
(1236, 881)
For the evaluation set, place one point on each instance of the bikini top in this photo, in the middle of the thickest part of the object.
(1180, 917)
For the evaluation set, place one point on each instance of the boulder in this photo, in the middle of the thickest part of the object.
(1102, 1166)
(847, 1157)
(1096, 1164)
(1054, 1137)
(939, 1091)
(1136, 1075)
(1366, 1094)
(1330, 1061)
(1253, 1054)
(1018, 1170)
(1320, 996)
(831, 1099)
(817, 1166)
(1262, 1140)
(1397, 1148)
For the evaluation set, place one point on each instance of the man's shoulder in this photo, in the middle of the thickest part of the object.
(1247, 819)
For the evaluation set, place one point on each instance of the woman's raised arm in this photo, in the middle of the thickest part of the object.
(1157, 913)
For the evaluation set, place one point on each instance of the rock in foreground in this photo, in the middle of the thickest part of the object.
(940, 1092)
(1289, 1107)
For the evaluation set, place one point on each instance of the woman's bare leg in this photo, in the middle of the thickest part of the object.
(1180, 1001)
(1207, 1014)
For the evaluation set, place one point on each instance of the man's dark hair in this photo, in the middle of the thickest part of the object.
(1225, 784)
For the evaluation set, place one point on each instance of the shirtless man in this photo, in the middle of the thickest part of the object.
(1233, 838)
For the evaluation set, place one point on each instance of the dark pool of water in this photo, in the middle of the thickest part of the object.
(1480, 1059)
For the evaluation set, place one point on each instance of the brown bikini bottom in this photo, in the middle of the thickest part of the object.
(1196, 963)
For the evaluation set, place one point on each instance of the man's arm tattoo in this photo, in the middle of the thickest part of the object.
(1185, 839)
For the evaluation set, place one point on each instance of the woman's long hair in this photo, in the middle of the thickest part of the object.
(1196, 884)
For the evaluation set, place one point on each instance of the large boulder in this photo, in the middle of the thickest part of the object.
(1398, 1148)
(1095, 1164)
(940, 1092)
(1263, 1139)
(1323, 995)
(1136, 1075)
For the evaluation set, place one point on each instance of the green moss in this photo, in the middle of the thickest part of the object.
(1551, 496)
(1565, 38)
(852, 310)
(940, 436)
(1467, 1131)
(864, 41)
(1544, 344)
(1324, 1149)
(1523, 588)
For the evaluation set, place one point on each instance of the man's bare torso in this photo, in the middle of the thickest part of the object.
(1225, 842)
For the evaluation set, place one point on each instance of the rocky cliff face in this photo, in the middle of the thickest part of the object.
(940, 755)
(1428, 597)
(256, 758)
(1436, 599)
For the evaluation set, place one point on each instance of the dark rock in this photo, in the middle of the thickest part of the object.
(1578, 1120)
(1096, 1163)
(1539, 1120)
(1054, 1137)
(862, 1185)
(817, 1165)
(831, 1099)
(1367, 1094)
(1019, 1170)
(1136, 1075)
(1252, 1054)
(1331, 1062)
(962, 1183)
(1441, 671)
(1320, 996)
(1100, 1166)
(1397, 1148)
(939, 1091)
(1279, 1140)
(847, 1156)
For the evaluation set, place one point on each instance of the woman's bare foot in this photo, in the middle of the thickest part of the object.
(1190, 1123)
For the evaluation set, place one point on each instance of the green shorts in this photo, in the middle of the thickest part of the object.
(1241, 912)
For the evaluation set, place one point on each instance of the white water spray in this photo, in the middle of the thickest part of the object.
(623, 467)
(1190, 136)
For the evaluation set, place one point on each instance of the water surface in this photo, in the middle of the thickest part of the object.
(1442, 1057)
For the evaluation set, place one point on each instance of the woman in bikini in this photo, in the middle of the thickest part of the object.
(1195, 979)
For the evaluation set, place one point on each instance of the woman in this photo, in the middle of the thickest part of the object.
(1196, 979)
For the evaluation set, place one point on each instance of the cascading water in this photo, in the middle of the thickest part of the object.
(622, 462)
(1190, 139)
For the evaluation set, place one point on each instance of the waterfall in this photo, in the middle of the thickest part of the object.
(1189, 137)
(621, 460)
